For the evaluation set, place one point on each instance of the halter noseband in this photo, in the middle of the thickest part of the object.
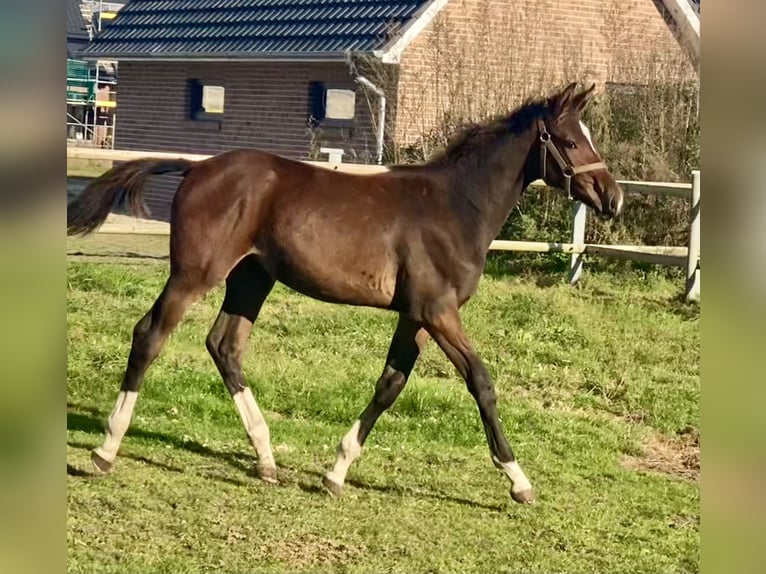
(567, 169)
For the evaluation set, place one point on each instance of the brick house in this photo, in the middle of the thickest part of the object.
(283, 75)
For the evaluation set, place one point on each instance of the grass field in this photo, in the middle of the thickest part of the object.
(598, 389)
(76, 167)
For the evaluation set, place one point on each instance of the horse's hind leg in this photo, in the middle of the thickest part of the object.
(446, 329)
(149, 335)
(405, 347)
(247, 287)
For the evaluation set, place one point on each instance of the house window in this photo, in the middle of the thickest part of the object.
(332, 105)
(207, 100)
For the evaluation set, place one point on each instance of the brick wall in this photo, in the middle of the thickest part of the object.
(477, 57)
(266, 107)
(481, 56)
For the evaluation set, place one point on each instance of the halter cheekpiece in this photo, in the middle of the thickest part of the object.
(567, 169)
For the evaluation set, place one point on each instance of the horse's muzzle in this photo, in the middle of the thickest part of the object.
(611, 197)
(615, 204)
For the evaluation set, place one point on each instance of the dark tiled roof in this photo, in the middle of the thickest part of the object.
(75, 23)
(77, 36)
(237, 28)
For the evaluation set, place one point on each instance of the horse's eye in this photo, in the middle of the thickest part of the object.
(571, 144)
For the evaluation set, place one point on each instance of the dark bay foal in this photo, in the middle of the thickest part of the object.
(413, 240)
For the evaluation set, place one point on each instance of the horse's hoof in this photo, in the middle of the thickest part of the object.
(267, 474)
(524, 496)
(333, 488)
(100, 462)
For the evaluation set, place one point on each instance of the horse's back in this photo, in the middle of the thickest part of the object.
(331, 235)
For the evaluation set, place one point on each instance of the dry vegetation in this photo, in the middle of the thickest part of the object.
(645, 119)
(675, 456)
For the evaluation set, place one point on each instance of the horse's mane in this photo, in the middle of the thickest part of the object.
(474, 138)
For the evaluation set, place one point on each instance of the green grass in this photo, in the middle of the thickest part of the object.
(76, 167)
(584, 377)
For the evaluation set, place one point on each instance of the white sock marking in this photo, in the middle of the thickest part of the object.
(348, 450)
(255, 426)
(519, 481)
(117, 426)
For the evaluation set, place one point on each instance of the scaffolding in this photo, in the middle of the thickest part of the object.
(91, 86)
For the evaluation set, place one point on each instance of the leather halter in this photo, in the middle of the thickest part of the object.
(567, 169)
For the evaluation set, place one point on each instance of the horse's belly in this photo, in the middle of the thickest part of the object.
(334, 278)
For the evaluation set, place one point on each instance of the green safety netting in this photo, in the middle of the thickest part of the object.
(80, 81)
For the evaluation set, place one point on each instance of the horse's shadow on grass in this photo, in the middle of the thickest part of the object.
(314, 487)
(91, 421)
(74, 471)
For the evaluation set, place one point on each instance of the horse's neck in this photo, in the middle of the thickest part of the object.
(492, 188)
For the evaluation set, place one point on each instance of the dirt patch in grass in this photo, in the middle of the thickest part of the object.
(310, 551)
(677, 456)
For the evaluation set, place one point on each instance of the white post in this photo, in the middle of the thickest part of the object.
(114, 124)
(692, 273)
(381, 114)
(335, 156)
(95, 108)
(579, 211)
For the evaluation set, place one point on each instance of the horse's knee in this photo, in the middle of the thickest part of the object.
(481, 387)
(141, 345)
(212, 342)
(221, 347)
(142, 329)
(226, 354)
(389, 386)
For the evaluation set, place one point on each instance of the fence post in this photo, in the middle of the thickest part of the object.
(692, 273)
(579, 211)
(335, 155)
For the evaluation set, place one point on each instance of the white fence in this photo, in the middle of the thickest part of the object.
(681, 256)
(687, 256)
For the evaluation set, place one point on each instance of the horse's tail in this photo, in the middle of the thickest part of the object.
(123, 184)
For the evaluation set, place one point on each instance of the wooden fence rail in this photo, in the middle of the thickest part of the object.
(687, 256)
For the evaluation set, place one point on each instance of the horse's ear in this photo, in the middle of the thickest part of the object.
(561, 101)
(583, 98)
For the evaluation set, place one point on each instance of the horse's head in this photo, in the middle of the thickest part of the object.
(568, 157)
